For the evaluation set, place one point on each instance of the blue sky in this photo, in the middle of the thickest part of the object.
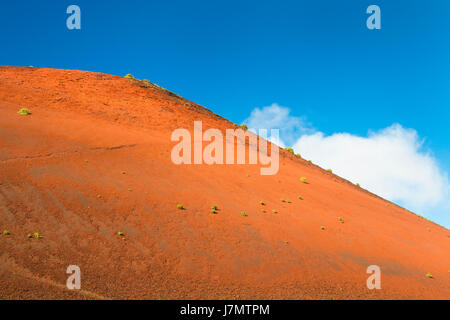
(315, 58)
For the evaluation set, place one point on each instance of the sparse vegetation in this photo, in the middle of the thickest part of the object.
(129, 76)
(288, 201)
(341, 220)
(282, 200)
(24, 111)
(243, 214)
(37, 235)
(213, 211)
(180, 207)
(214, 207)
(123, 172)
(309, 161)
(244, 127)
(120, 233)
(29, 236)
(300, 197)
(274, 211)
(429, 275)
(289, 149)
(262, 203)
(6, 233)
(298, 155)
(330, 171)
(357, 184)
(99, 196)
(129, 189)
(303, 179)
(263, 211)
(322, 228)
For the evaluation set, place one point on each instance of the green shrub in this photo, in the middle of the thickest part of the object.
(214, 207)
(263, 211)
(330, 171)
(300, 197)
(120, 233)
(29, 236)
(243, 214)
(213, 211)
(244, 127)
(274, 211)
(358, 185)
(123, 172)
(341, 220)
(429, 275)
(288, 201)
(289, 149)
(37, 235)
(303, 179)
(322, 228)
(298, 155)
(180, 206)
(129, 76)
(6, 233)
(282, 200)
(262, 203)
(24, 111)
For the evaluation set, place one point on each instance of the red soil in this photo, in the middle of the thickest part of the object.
(86, 128)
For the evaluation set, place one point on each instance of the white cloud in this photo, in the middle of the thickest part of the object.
(391, 163)
(277, 117)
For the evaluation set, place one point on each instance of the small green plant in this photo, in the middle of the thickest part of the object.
(298, 155)
(309, 161)
(274, 211)
(341, 220)
(29, 236)
(129, 189)
(357, 184)
(282, 200)
(99, 196)
(37, 235)
(180, 206)
(129, 76)
(214, 207)
(289, 149)
(263, 211)
(6, 233)
(120, 233)
(243, 214)
(300, 197)
(123, 172)
(244, 127)
(262, 203)
(24, 111)
(330, 171)
(213, 211)
(322, 228)
(286, 242)
(303, 179)
(429, 275)
(146, 81)
(288, 201)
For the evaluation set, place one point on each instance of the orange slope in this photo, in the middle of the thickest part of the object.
(61, 174)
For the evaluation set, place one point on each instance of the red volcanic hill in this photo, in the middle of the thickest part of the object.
(93, 159)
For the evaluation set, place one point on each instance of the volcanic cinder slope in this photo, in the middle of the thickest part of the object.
(93, 159)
